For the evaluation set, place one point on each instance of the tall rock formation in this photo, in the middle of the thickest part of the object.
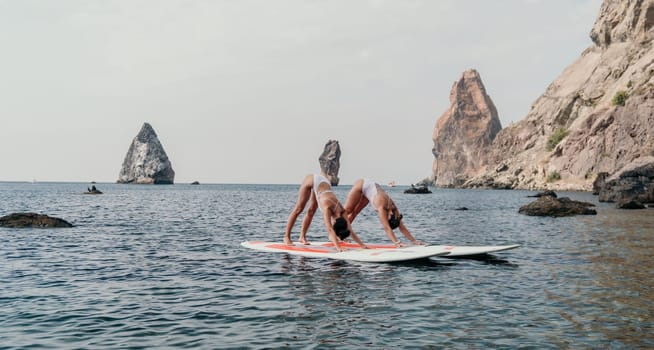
(330, 161)
(464, 132)
(146, 161)
(596, 117)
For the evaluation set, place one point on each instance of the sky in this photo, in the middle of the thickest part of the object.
(251, 91)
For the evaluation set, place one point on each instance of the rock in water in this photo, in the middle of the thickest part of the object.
(464, 132)
(545, 193)
(25, 220)
(330, 161)
(417, 190)
(146, 161)
(632, 204)
(557, 207)
(633, 183)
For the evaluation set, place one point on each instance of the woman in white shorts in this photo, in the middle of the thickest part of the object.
(317, 190)
(366, 191)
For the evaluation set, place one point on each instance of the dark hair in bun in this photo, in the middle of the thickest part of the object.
(340, 227)
(394, 222)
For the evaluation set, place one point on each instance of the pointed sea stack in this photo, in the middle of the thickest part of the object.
(146, 161)
(464, 132)
(330, 161)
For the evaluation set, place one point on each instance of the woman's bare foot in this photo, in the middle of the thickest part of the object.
(288, 241)
(304, 241)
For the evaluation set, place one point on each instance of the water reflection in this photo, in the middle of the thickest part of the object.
(613, 293)
(333, 292)
(425, 264)
(489, 259)
(623, 269)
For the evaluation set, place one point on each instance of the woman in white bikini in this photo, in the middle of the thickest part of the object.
(317, 190)
(366, 191)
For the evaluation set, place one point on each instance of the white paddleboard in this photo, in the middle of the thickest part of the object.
(476, 250)
(353, 252)
(454, 250)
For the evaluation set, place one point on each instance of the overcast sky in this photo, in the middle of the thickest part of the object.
(250, 91)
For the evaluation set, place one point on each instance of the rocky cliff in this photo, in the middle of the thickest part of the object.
(463, 133)
(597, 116)
(146, 161)
(330, 161)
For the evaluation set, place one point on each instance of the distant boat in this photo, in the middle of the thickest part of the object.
(391, 184)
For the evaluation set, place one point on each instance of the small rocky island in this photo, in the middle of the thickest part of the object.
(28, 220)
(146, 161)
(548, 204)
(92, 190)
(330, 161)
(420, 189)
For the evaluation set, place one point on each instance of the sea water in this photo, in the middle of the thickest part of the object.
(161, 267)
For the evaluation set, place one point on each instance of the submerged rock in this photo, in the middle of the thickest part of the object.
(146, 161)
(557, 207)
(22, 220)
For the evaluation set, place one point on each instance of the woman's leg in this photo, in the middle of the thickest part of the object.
(304, 194)
(308, 217)
(355, 201)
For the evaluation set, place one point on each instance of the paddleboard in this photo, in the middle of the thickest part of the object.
(457, 251)
(454, 250)
(353, 252)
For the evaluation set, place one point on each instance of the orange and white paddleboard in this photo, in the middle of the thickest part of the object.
(354, 252)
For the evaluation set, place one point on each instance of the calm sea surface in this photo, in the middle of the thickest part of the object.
(161, 267)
